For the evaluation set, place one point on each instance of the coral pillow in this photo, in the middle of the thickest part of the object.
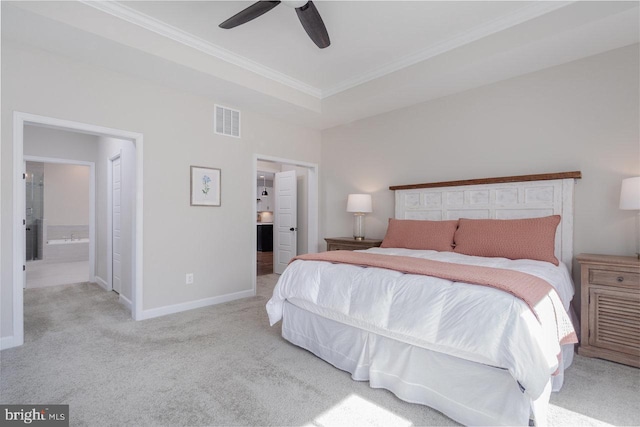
(531, 238)
(418, 234)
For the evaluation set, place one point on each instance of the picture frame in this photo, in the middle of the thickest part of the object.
(205, 186)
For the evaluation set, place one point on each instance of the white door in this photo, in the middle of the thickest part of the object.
(285, 221)
(116, 214)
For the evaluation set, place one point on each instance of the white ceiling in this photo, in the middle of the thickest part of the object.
(383, 55)
(365, 36)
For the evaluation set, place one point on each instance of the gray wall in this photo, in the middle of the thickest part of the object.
(582, 116)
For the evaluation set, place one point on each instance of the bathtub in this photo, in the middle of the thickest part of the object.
(66, 250)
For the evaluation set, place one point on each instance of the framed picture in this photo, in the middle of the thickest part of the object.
(205, 186)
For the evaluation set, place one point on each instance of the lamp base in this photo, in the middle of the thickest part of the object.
(358, 226)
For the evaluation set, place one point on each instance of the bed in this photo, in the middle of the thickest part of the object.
(482, 355)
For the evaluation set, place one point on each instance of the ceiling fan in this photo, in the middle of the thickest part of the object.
(306, 10)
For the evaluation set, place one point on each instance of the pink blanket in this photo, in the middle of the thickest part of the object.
(528, 288)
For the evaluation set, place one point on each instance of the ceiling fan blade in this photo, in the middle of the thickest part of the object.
(246, 15)
(313, 25)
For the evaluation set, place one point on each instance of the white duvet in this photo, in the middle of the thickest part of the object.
(476, 323)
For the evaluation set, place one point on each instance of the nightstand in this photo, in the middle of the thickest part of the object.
(610, 310)
(350, 244)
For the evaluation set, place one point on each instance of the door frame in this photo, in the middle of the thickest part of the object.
(110, 216)
(312, 208)
(92, 201)
(20, 119)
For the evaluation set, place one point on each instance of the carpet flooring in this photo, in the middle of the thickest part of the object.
(224, 365)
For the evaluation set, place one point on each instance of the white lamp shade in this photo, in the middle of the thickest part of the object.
(630, 194)
(359, 203)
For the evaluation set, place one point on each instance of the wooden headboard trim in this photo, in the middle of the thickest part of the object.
(499, 180)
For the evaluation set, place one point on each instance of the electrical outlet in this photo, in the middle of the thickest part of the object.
(189, 279)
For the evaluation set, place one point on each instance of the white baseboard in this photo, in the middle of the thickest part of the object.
(103, 283)
(7, 342)
(177, 308)
(125, 301)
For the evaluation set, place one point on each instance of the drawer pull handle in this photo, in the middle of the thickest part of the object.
(620, 279)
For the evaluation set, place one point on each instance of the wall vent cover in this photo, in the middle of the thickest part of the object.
(227, 121)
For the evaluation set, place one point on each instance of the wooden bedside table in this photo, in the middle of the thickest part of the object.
(350, 244)
(610, 311)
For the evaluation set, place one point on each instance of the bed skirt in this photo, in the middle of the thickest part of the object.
(468, 392)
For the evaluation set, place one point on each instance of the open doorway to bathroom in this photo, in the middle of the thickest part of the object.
(64, 139)
(59, 200)
(85, 224)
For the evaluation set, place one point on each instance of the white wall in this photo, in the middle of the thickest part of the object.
(214, 243)
(582, 116)
(66, 194)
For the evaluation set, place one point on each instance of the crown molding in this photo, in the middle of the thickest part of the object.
(502, 23)
(526, 13)
(162, 28)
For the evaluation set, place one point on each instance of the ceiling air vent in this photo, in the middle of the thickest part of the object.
(227, 121)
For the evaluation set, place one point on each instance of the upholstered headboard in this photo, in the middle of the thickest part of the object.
(527, 196)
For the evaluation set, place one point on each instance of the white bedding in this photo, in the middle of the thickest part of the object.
(475, 323)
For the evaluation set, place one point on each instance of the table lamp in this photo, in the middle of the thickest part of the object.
(359, 204)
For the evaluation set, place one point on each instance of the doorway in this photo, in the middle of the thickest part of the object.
(60, 221)
(20, 120)
(114, 233)
(305, 230)
(264, 225)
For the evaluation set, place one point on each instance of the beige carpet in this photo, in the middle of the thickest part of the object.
(224, 365)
